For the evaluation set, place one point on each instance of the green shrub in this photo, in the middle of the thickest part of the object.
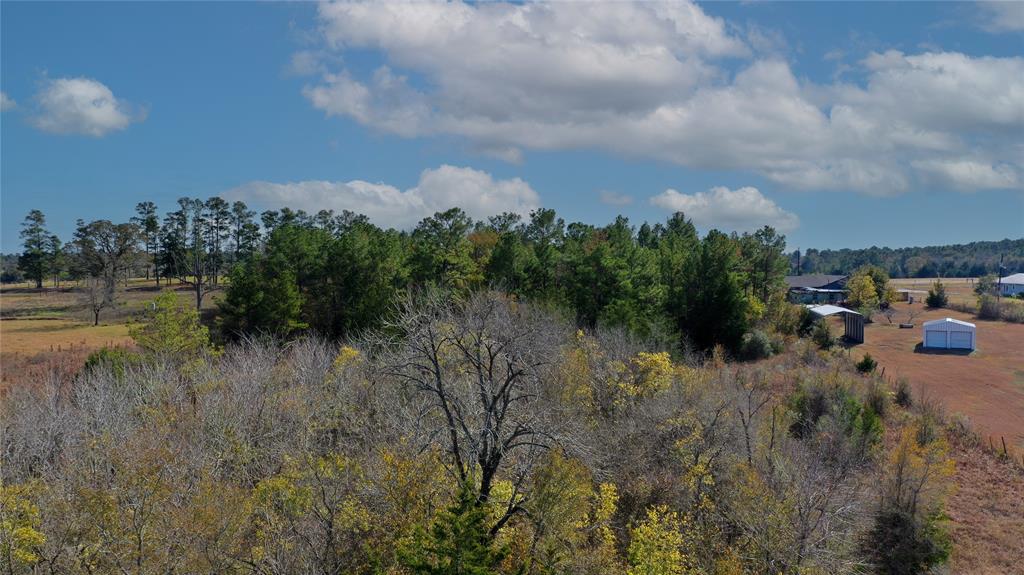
(867, 364)
(902, 543)
(986, 285)
(116, 359)
(822, 335)
(903, 396)
(786, 318)
(877, 398)
(807, 322)
(756, 344)
(808, 404)
(860, 422)
(988, 307)
(937, 295)
(171, 328)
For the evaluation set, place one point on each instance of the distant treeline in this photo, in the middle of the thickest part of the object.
(339, 274)
(960, 260)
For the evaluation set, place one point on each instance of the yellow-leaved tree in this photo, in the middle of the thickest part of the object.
(171, 328)
(863, 294)
(20, 537)
(657, 544)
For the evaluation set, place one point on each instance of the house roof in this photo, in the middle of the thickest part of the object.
(947, 320)
(812, 280)
(827, 309)
(1013, 279)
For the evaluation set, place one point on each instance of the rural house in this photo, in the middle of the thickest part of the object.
(816, 288)
(1012, 285)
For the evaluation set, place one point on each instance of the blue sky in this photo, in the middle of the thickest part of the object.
(845, 125)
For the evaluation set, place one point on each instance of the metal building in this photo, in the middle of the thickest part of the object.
(853, 322)
(949, 333)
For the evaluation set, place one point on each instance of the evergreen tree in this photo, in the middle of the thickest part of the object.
(442, 254)
(713, 309)
(765, 263)
(545, 234)
(217, 214)
(34, 260)
(261, 299)
(245, 232)
(56, 259)
(149, 232)
(364, 273)
(937, 295)
(457, 543)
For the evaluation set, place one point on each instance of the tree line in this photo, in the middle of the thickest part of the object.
(338, 274)
(974, 259)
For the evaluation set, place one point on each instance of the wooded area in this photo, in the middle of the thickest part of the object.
(975, 259)
(470, 435)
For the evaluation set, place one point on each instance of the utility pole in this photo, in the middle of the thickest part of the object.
(999, 282)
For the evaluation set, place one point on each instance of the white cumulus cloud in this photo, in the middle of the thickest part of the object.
(476, 192)
(81, 106)
(6, 102)
(650, 80)
(743, 209)
(1002, 16)
(610, 198)
(969, 175)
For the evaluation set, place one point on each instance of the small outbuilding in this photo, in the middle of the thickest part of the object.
(853, 322)
(949, 333)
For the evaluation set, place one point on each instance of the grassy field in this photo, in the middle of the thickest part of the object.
(48, 328)
(987, 386)
(958, 290)
(986, 512)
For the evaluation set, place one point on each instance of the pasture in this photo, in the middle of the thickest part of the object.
(52, 326)
(960, 291)
(987, 385)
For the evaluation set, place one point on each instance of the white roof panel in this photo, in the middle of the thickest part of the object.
(827, 309)
(1013, 279)
(948, 320)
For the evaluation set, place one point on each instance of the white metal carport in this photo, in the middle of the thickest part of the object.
(852, 321)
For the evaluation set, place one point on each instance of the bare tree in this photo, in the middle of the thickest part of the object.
(98, 294)
(479, 369)
(191, 252)
(911, 314)
(889, 313)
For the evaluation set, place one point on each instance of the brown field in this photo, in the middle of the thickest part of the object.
(41, 329)
(987, 386)
(986, 513)
(958, 290)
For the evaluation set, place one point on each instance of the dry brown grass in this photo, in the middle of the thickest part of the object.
(987, 386)
(50, 329)
(986, 512)
(959, 290)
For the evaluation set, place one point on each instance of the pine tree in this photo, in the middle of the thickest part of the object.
(937, 295)
(457, 543)
(34, 261)
(149, 233)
